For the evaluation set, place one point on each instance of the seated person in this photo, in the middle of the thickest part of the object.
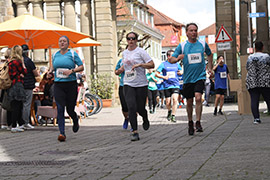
(48, 90)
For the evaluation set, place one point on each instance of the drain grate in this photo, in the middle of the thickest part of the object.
(57, 152)
(34, 163)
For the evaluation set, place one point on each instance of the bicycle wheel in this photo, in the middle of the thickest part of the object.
(100, 104)
(90, 105)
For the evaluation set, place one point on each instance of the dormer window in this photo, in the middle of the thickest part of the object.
(138, 14)
(152, 20)
(142, 16)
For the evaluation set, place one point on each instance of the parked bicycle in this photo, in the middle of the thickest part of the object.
(92, 103)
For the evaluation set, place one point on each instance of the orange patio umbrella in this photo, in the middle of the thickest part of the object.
(85, 42)
(37, 33)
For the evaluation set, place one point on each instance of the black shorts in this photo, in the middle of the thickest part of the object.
(189, 89)
(169, 92)
(220, 91)
(180, 91)
(160, 93)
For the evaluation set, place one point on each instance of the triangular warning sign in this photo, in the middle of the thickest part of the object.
(223, 36)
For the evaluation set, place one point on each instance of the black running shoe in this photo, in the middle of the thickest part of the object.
(135, 137)
(199, 127)
(75, 127)
(190, 128)
(220, 112)
(146, 124)
(173, 118)
(169, 116)
(215, 112)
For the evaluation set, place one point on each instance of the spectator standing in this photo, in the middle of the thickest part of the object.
(191, 52)
(169, 73)
(258, 79)
(5, 115)
(207, 87)
(16, 92)
(65, 84)
(152, 90)
(121, 74)
(29, 84)
(221, 78)
(135, 61)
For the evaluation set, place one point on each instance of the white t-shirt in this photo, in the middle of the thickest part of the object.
(136, 78)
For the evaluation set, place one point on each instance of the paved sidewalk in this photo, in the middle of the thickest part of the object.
(231, 147)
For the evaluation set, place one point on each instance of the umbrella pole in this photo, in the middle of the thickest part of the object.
(50, 57)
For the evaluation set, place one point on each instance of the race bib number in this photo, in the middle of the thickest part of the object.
(59, 73)
(152, 84)
(171, 74)
(181, 82)
(130, 75)
(194, 58)
(223, 74)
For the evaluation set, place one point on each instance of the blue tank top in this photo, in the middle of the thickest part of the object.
(171, 70)
(221, 77)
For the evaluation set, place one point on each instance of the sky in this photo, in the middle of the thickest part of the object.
(201, 12)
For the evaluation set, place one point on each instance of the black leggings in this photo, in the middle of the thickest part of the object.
(136, 100)
(65, 94)
(255, 97)
(122, 99)
(16, 114)
(152, 99)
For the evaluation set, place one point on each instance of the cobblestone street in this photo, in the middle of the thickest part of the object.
(231, 147)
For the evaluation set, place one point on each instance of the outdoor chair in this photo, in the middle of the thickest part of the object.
(48, 112)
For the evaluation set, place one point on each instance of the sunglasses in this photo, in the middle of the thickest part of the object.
(131, 38)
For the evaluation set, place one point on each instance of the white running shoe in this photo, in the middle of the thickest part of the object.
(21, 127)
(28, 126)
(14, 130)
(4, 127)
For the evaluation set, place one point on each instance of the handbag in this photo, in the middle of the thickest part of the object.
(6, 103)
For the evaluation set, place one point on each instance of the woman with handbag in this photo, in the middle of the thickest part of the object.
(16, 93)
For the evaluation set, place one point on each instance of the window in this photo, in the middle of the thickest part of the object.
(131, 9)
(142, 16)
(163, 56)
(152, 20)
(146, 17)
(138, 13)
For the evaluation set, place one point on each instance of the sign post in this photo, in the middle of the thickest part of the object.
(223, 39)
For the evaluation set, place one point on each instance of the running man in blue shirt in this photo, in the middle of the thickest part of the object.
(169, 72)
(191, 52)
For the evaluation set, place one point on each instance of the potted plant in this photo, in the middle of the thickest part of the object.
(102, 85)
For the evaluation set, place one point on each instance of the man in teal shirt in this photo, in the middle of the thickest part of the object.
(191, 52)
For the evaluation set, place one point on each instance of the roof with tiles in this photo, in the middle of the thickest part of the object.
(122, 11)
(162, 19)
(168, 27)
